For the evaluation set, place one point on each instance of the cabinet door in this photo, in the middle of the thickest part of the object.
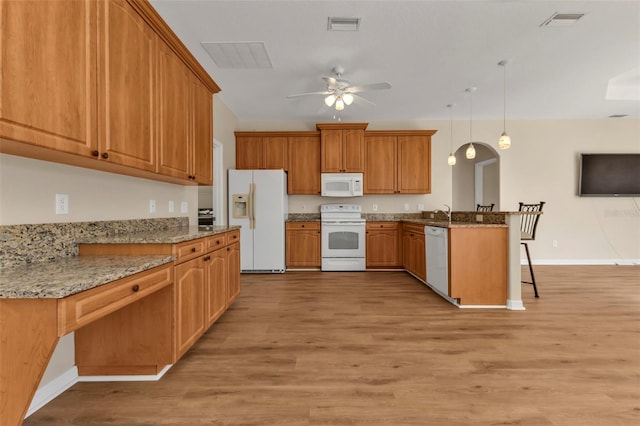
(419, 256)
(304, 165)
(174, 130)
(189, 304)
(331, 156)
(353, 150)
(275, 152)
(233, 272)
(407, 260)
(249, 154)
(216, 289)
(202, 121)
(48, 74)
(303, 245)
(383, 244)
(414, 165)
(380, 165)
(128, 49)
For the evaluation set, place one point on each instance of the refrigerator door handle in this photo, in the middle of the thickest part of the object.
(252, 206)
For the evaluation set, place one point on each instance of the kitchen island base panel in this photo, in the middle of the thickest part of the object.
(28, 337)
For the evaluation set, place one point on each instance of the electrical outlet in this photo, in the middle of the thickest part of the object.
(152, 206)
(479, 218)
(431, 215)
(406, 207)
(374, 207)
(184, 207)
(62, 204)
(420, 207)
(554, 243)
(172, 206)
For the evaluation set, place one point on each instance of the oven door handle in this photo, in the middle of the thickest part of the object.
(341, 223)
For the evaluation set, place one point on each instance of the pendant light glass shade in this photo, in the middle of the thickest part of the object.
(471, 152)
(329, 100)
(451, 160)
(505, 140)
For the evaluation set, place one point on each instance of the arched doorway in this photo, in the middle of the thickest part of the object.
(476, 181)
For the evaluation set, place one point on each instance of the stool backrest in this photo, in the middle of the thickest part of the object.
(488, 208)
(529, 219)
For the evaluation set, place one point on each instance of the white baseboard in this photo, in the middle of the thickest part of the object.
(141, 378)
(51, 390)
(48, 392)
(515, 305)
(482, 306)
(582, 262)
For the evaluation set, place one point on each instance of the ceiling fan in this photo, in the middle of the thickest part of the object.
(340, 92)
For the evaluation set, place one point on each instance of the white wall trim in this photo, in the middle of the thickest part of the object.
(582, 262)
(141, 378)
(515, 305)
(479, 179)
(51, 390)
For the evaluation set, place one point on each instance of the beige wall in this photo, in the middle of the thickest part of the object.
(224, 124)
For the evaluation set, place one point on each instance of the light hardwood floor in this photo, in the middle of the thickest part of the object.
(379, 348)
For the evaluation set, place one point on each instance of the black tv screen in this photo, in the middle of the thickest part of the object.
(609, 175)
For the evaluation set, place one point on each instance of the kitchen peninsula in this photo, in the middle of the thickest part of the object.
(137, 294)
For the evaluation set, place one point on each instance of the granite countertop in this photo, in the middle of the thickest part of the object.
(66, 276)
(454, 224)
(165, 236)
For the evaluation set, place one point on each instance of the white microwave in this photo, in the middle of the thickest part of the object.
(341, 184)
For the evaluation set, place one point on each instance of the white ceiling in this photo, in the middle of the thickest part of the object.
(429, 51)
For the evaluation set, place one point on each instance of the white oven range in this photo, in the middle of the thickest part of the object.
(343, 237)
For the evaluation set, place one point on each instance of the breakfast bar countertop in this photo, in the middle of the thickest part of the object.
(164, 236)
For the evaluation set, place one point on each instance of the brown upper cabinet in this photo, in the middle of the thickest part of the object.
(398, 162)
(342, 147)
(110, 88)
(255, 151)
(304, 164)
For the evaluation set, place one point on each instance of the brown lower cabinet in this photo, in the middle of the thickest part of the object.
(303, 244)
(383, 245)
(413, 250)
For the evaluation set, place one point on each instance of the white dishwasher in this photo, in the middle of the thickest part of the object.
(437, 258)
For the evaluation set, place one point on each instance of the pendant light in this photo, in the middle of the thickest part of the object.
(471, 150)
(505, 140)
(452, 158)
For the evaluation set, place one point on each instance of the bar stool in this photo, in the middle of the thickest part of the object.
(487, 208)
(530, 214)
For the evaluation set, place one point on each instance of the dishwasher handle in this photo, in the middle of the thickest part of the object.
(435, 231)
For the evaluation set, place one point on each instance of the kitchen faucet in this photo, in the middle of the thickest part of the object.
(447, 212)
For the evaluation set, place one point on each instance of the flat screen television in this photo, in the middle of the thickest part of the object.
(609, 175)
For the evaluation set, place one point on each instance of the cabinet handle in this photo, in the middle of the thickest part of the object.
(135, 288)
(207, 258)
(193, 249)
(301, 226)
(228, 248)
(95, 153)
(217, 242)
(105, 155)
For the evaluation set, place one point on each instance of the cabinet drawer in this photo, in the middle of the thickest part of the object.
(382, 225)
(413, 227)
(302, 225)
(232, 236)
(189, 250)
(215, 242)
(80, 309)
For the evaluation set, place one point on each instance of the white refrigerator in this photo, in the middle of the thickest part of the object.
(259, 204)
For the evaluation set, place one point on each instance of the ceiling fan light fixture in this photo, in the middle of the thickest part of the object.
(329, 100)
(339, 104)
(347, 98)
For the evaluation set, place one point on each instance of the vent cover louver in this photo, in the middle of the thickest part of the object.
(343, 24)
(248, 55)
(562, 19)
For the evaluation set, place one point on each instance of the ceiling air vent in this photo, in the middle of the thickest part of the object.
(343, 24)
(244, 55)
(618, 115)
(562, 19)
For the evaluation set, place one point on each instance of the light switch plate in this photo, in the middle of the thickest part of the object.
(420, 207)
(406, 207)
(172, 206)
(184, 207)
(152, 206)
(374, 207)
(62, 203)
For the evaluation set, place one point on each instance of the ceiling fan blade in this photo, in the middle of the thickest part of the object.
(332, 83)
(368, 87)
(309, 93)
(360, 98)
